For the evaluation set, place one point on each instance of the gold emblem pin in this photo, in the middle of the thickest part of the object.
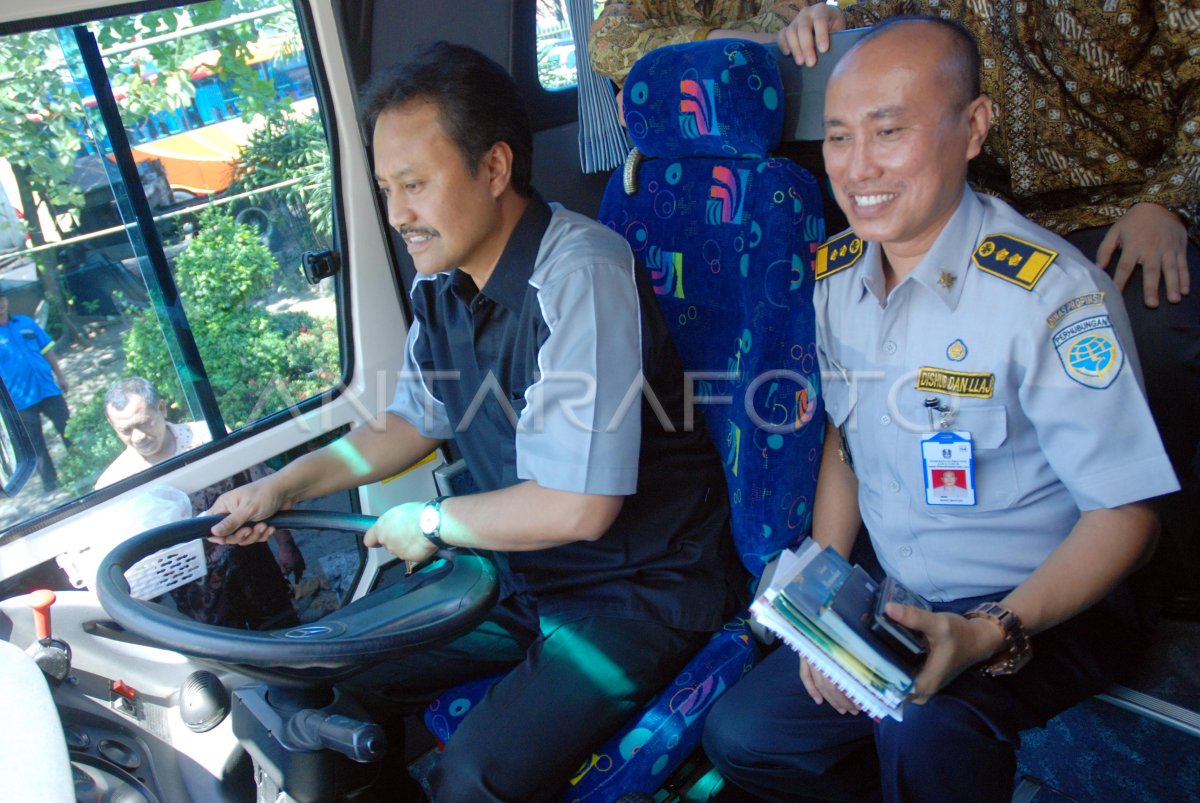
(946, 279)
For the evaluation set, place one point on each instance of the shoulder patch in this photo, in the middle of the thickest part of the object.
(1090, 352)
(1013, 259)
(838, 254)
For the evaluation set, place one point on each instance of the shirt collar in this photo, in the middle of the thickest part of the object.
(510, 278)
(942, 270)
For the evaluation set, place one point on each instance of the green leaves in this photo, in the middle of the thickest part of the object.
(225, 275)
(258, 362)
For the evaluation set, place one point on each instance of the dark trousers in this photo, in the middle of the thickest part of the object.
(768, 737)
(1168, 345)
(571, 685)
(54, 408)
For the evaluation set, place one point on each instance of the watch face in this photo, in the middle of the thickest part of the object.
(431, 518)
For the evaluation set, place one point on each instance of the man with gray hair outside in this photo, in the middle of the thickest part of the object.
(243, 588)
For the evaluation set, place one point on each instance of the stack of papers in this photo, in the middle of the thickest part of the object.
(822, 607)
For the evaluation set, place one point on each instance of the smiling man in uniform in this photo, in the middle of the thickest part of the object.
(942, 301)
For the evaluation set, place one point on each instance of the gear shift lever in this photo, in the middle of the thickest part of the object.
(53, 656)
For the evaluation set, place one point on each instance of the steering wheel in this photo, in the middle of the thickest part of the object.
(445, 600)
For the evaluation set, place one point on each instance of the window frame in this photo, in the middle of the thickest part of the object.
(341, 290)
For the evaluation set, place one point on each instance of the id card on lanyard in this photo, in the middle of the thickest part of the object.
(948, 462)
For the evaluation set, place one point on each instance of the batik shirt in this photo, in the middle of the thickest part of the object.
(1097, 103)
(626, 31)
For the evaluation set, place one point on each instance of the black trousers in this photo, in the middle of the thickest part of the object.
(570, 685)
(54, 408)
(768, 737)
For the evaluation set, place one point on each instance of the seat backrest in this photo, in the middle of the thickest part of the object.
(728, 235)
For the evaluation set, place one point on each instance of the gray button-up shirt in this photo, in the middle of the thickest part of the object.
(1027, 347)
(545, 375)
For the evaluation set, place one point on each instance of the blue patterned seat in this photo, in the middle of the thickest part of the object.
(728, 236)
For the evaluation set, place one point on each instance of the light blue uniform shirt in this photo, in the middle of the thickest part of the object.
(1028, 345)
(23, 365)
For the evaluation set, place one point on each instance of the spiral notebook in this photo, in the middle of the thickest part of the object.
(874, 694)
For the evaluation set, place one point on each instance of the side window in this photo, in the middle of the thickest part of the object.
(162, 177)
(556, 67)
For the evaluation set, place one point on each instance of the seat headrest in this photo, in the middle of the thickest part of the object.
(721, 98)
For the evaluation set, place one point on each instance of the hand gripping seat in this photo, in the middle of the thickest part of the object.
(728, 235)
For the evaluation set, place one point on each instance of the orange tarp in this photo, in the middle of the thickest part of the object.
(200, 160)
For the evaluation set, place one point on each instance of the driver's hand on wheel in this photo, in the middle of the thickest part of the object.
(399, 532)
(250, 503)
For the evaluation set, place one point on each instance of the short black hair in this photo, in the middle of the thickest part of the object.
(477, 99)
(118, 395)
(965, 48)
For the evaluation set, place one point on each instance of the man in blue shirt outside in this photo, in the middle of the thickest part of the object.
(35, 382)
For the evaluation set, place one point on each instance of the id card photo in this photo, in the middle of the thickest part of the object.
(949, 469)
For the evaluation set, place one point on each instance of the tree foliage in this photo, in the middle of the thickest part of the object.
(257, 361)
(43, 117)
(290, 147)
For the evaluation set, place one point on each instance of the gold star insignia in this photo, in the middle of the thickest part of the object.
(946, 279)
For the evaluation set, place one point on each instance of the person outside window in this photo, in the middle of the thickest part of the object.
(36, 383)
(243, 588)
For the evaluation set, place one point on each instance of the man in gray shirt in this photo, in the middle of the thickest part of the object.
(955, 335)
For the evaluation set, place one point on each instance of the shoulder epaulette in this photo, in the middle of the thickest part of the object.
(1013, 259)
(838, 254)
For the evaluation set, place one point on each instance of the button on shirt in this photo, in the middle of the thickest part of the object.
(538, 376)
(1054, 431)
(23, 365)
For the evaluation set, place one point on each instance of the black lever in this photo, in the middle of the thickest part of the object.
(310, 729)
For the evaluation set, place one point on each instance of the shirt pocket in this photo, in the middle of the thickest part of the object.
(996, 486)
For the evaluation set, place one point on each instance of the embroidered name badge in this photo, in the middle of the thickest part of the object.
(1076, 303)
(956, 383)
(1089, 351)
(1013, 259)
(838, 254)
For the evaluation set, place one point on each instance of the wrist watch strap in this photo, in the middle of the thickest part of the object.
(1017, 650)
(431, 522)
